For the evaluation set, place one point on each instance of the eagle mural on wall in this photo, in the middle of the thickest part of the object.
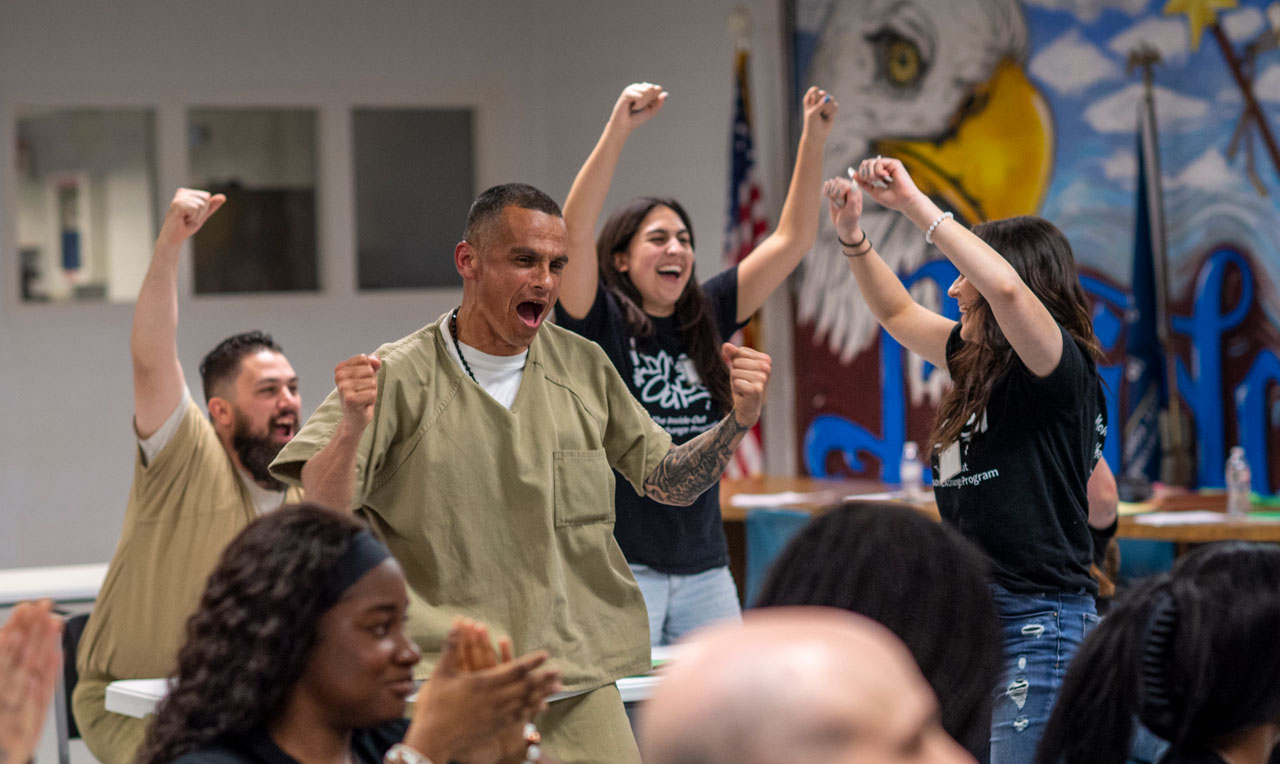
(1009, 107)
(939, 84)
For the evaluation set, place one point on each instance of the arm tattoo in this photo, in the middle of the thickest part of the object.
(689, 469)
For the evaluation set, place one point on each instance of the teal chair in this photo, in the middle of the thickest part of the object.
(1140, 558)
(768, 532)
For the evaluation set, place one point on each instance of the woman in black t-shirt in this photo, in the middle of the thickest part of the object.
(634, 292)
(1191, 654)
(298, 654)
(1019, 432)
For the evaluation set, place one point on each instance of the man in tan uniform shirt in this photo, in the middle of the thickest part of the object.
(481, 449)
(196, 482)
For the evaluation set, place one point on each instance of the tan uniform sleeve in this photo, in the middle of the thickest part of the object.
(161, 482)
(319, 430)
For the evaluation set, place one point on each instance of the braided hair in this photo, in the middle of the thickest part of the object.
(1190, 653)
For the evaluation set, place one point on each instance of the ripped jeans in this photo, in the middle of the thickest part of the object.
(1041, 634)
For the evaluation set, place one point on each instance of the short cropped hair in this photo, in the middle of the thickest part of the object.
(489, 205)
(223, 362)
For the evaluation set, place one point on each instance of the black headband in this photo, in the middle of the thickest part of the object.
(363, 554)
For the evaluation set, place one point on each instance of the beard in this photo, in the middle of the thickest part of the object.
(256, 454)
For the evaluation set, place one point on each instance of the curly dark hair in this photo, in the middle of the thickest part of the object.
(693, 311)
(249, 641)
(223, 362)
(918, 577)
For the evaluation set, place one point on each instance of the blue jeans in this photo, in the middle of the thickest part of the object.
(679, 604)
(1041, 634)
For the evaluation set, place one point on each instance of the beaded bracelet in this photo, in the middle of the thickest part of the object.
(928, 235)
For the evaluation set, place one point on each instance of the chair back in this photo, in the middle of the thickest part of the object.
(1140, 558)
(768, 532)
(72, 629)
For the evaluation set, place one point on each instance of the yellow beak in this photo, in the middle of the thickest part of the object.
(995, 159)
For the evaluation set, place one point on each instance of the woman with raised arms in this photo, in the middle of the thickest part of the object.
(633, 291)
(1018, 434)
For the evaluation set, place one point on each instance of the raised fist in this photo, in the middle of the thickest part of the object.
(749, 371)
(357, 381)
(187, 212)
(637, 104)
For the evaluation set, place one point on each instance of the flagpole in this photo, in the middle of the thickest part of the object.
(746, 225)
(1175, 465)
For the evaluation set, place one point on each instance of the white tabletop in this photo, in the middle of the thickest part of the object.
(60, 583)
(138, 697)
(135, 697)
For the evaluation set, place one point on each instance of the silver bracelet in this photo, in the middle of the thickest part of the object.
(928, 235)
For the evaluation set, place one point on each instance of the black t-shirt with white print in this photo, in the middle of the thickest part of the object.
(1021, 489)
(660, 374)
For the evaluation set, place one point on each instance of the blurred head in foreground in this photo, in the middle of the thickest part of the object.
(795, 685)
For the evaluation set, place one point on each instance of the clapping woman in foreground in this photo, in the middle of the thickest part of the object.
(298, 655)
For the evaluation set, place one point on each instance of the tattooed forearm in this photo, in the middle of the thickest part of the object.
(691, 468)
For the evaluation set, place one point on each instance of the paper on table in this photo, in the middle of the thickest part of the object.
(780, 499)
(879, 496)
(1127, 508)
(1190, 517)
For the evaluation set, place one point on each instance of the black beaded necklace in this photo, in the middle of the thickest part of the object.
(453, 330)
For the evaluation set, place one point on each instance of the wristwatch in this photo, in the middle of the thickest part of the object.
(404, 754)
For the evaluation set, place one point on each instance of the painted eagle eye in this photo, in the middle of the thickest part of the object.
(899, 59)
(903, 63)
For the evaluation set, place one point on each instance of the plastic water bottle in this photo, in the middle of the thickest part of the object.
(1238, 502)
(910, 471)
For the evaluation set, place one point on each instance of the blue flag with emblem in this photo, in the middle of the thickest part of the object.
(1144, 357)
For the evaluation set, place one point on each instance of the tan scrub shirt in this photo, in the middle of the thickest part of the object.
(503, 515)
(185, 506)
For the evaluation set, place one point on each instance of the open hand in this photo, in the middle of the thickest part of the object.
(30, 659)
(473, 715)
(637, 104)
(357, 381)
(749, 371)
(187, 212)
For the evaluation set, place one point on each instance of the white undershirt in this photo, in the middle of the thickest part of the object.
(263, 500)
(497, 375)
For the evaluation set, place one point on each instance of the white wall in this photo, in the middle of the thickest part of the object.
(541, 77)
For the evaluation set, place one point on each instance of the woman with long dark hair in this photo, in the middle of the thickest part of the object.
(633, 290)
(298, 654)
(919, 578)
(1019, 432)
(1191, 654)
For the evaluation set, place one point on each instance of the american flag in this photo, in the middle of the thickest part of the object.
(747, 226)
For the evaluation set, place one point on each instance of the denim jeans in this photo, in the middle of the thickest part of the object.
(1041, 634)
(679, 604)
